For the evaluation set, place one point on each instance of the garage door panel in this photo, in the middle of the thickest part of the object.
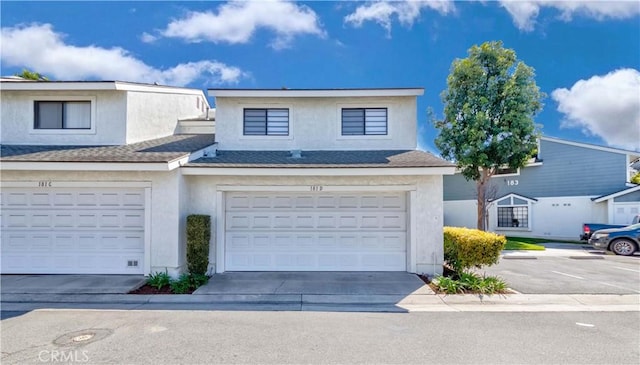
(301, 201)
(82, 218)
(69, 231)
(239, 220)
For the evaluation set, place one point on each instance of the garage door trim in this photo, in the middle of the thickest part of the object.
(221, 211)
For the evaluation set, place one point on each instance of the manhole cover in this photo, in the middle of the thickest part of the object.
(82, 337)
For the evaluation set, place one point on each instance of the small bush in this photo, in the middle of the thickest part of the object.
(448, 285)
(182, 285)
(198, 236)
(471, 283)
(466, 248)
(159, 280)
(198, 280)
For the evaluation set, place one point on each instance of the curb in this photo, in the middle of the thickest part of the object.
(364, 303)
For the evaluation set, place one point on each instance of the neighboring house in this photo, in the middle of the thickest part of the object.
(98, 177)
(568, 184)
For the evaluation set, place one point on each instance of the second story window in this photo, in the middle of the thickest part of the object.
(266, 122)
(62, 115)
(364, 121)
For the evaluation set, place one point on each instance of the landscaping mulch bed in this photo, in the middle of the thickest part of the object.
(148, 289)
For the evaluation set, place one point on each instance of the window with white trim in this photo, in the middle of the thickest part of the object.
(513, 212)
(364, 121)
(266, 122)
(56, 114)
(506, 171)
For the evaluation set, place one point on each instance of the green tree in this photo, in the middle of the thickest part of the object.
(32, 75)
(489, 106)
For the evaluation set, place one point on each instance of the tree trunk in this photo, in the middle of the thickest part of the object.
(481, 186)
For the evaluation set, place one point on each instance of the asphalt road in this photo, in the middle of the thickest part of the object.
(186, 337)
(594, 274)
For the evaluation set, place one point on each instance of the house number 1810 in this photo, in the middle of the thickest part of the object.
(315, 188)
(44, 183)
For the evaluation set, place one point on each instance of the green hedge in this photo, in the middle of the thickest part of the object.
(198, 236)
(465, 248)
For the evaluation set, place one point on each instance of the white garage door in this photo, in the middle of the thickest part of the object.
(72, 231)
(315, 232)
(624, 212)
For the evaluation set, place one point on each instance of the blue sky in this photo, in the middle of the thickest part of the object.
(586, 53)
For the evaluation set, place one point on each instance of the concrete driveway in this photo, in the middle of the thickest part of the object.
(316, 283)
(69, 284)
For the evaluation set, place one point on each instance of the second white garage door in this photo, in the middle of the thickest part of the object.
(315, 232)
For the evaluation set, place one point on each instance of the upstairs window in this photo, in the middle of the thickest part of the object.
(266, 122)
(62, 115)
(364, 121)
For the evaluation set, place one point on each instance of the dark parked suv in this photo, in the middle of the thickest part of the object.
(621, 241)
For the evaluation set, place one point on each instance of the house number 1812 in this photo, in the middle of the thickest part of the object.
(44, 183)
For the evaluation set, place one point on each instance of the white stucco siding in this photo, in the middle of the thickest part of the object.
(427, 230)
(556, 217)
(108, 118)
(155, 115)
(460, 213)
(315, 124)
(164, 206)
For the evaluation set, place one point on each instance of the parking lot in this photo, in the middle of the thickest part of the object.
(568, 269)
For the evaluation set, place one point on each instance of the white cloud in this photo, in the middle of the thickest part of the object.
(383, 12)
(607, 106)
(236, 22)
(40, 48)
(148, 38)
(524, 13)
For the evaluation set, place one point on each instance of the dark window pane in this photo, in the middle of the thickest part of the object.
(48, 115)
(513, 217)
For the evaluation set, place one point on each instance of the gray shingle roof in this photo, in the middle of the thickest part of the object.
(322, 159)
(165, 149)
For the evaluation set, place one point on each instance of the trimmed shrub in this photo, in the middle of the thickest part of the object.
(465, 248)
(159, 280)
(198, 236)
(182, 285)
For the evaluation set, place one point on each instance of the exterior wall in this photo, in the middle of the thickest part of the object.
(460, 213)
(566, 170)
(17, 118)
(315, 124)
(555, 217)
(155, 115)
(203, 192)
(629, 198)
(165, 231)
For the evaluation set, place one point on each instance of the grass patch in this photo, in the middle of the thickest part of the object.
(516, 244)
(542, 240)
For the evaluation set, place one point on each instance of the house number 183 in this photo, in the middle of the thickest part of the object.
(512, 182)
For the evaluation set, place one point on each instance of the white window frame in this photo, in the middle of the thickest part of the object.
(366, 105)
(512, 205)
(242, 107)
(62, 131)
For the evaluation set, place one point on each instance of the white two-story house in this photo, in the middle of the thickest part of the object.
(98, 177)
